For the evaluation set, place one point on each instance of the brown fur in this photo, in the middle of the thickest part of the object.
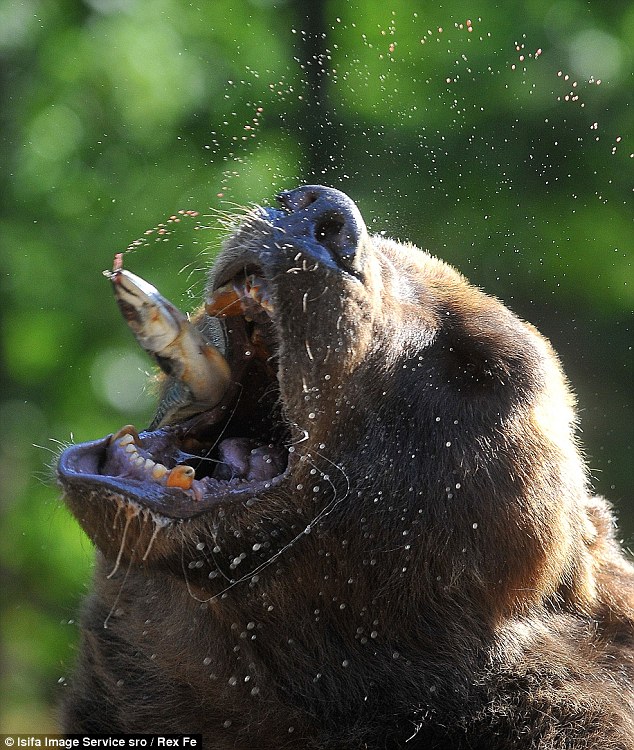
(451, 582)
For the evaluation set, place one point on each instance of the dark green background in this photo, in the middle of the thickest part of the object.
(514, 165)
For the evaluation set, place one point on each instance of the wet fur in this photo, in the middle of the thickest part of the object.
(452, 583)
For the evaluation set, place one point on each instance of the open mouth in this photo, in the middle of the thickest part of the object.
(197, 453)
(222, 432)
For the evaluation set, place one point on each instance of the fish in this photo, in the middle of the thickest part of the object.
(200, 375)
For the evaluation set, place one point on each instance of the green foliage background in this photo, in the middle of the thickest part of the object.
(505, 145)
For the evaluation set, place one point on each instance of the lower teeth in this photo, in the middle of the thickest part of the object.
(125, 445)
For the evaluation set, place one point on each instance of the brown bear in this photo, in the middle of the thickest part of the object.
(360, 518)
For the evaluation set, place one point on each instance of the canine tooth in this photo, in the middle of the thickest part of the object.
(159, 471)
(181, 476)
(224, 302)
(125, 440)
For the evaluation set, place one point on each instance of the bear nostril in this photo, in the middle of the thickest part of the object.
(328, 231)
(339, 236)
(296, 200)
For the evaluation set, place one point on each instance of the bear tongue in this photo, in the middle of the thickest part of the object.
(243, 458)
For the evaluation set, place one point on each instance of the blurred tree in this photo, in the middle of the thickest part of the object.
(502, 142)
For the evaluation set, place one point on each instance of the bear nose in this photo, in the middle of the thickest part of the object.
(334, 219)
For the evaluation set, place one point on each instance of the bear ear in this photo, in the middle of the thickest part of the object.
(472, 364)
(475, 363)
(482, 352)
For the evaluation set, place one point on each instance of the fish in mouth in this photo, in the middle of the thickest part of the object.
(191, 444)
(223, 431)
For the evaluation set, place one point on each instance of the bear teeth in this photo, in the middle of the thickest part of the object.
(125, 442)
(248, 296)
